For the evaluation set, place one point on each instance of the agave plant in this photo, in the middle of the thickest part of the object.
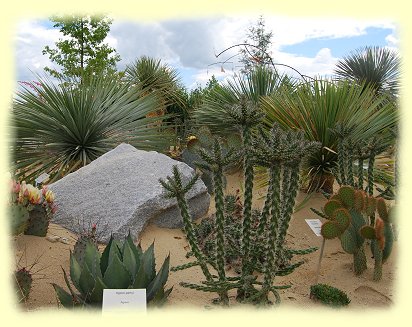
(375, 66)
(120, 266)
(316, 107)
(59, 128)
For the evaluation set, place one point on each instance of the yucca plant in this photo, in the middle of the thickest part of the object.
(376, 66)
(260, 82)
(60, 128)
(120, 266)
(317, 106)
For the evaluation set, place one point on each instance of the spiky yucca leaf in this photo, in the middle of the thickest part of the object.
(60, 128)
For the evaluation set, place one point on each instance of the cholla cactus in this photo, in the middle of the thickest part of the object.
(282, 153)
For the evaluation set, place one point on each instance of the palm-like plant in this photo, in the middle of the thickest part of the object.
(153, 76)
(376, 66)
(261, 81)
(59, 128)
(316, 107)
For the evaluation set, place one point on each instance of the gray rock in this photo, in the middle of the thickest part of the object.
(120, 191)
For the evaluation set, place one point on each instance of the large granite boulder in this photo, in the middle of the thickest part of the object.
(120, 191)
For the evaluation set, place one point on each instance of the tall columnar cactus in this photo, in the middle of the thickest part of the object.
(282, 152)
(246, 116)
(120, 266)
(381, 236)
(215, 161)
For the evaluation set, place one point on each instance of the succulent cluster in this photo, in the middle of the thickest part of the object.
(23, 280)
(120, 266)
(329, 295)
(30, 208)
(347, 213)
(282, 153)
(351, 153)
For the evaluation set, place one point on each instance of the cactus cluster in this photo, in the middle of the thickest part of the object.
(121, 265)
(30, 209)
(329, 295)
(281, 152)
(352, 152)
(23, 280)
(347, 212)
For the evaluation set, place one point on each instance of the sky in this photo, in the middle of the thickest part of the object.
(310, 45)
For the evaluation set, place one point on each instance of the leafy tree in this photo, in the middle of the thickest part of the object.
(258, 53)
(82, 52)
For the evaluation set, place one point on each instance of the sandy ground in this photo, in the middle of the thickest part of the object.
(336, 266)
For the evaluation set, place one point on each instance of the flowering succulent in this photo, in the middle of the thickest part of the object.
(30, 208)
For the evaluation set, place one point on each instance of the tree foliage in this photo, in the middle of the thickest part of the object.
(258, 53)
(82, 52)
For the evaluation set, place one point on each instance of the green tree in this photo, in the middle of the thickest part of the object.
(82, 52)
(257, 54)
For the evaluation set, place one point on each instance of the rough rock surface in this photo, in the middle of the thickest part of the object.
(120, 191)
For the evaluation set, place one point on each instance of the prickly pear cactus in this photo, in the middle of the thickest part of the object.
(347, 213)
(344, 222)
(19, 216)
(80, 246)
(38, 222)
(23, 280)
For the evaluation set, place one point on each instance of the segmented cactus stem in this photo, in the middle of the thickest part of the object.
(247, 207)
(359, 261)
(191, 237)
(268, 267)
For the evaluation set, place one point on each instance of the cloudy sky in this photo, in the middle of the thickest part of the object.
(310, 45)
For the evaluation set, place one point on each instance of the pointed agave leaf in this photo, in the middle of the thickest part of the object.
(104, 259)
(75, 271)
(129, 260)
(141, 280)
(97, 295)
(92, 260)
(86, 283)
(116, 275)
(114, 251)
(159, 281)
(65, 298)
(148, 262)
(137, 250)
(160, 298)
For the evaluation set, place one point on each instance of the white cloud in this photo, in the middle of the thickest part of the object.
(192, 44)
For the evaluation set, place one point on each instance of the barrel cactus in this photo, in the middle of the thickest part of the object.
(120, 266)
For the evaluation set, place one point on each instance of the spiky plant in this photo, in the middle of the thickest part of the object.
(317, 106)
(376, 66)
(329, 295)
(60, 128)
(282, 152)
(120, 266)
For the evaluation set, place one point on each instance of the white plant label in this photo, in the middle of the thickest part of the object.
(121, 300)
(43, 177)
(315, 225)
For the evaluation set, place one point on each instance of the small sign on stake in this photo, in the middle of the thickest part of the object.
(42, 178)
(121, 300)
(315, 225)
